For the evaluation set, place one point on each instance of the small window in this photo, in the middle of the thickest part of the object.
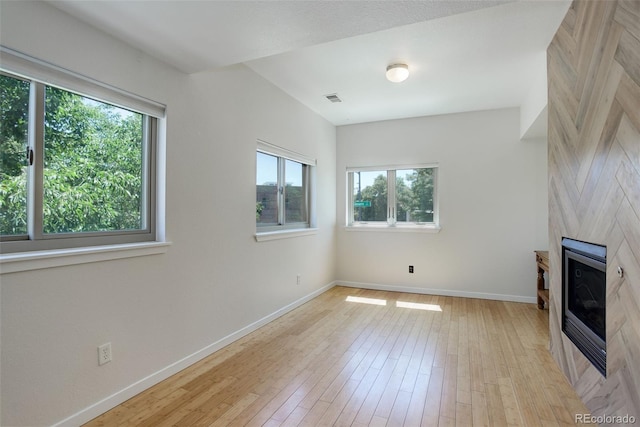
(283, 189)
(393, 197)
(75, 170)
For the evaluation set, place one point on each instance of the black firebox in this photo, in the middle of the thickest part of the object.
(584, 267)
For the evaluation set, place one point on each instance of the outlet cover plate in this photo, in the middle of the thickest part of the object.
(104, 353)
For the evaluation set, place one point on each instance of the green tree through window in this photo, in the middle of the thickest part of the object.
(92, 165)
(14, 124)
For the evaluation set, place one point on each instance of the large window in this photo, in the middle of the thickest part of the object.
(75, 170)
(283, 189)
(393, 197)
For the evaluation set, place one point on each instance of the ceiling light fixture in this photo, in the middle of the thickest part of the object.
(397, 73)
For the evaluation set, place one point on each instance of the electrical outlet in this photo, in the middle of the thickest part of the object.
(411, 269)
(104, 354)
(298, 279)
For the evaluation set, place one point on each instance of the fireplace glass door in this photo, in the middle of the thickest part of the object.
(584, 299)
(586, 294)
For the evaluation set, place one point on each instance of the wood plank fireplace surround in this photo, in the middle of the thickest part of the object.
(594, 188)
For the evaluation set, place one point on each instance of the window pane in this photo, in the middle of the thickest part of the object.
(295, 195)
(266, 189)
(14, 124)
(370, 196)
(414, 195)
(93, 171)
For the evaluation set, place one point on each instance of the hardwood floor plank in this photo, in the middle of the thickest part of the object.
(443, 336)
(446, 422)
(509, 402)
(315, 414)
(296, 417)
(417, 402)
(449, 388)
(378, 422)
(354, 404)
(464, 417)
(495, 407)
(270, 409)
(234, 411)
(399, 409)
(431, 414)
(368, 408)
(525, 402)
(337, 405)
(321, 386)
(479, 413)
(388, 398)
(463, 388)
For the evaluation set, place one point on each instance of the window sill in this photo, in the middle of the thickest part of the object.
(284, 234)
(395, 229)
(26, 261)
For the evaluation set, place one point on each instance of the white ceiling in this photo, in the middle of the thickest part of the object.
(463, 55)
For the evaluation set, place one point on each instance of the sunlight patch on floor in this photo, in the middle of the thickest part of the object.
(399, 304)
(362, 300)
(418, 306)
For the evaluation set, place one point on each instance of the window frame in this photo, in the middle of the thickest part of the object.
(41, 75)
(308, 180)
(391, 223)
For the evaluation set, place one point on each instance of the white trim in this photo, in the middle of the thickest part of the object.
(128, 392)
(36, 260)
(383, 227)
(284, 234)
(384, 168)
(35, 69)
(268, 148)
(440, 292)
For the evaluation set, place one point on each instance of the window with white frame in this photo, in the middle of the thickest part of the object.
(77, 160)
(393, 196)
(283, 189)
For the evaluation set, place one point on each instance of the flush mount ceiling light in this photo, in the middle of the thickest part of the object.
(397, 73)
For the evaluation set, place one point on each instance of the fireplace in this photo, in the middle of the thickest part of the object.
(584, 268)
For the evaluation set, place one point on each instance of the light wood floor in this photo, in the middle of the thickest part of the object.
(354, 363)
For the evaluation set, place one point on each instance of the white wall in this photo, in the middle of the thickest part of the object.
(491, 185)
(533, 111)
(214, 280)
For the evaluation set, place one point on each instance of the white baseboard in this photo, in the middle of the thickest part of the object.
(440, 292)
(128, 392)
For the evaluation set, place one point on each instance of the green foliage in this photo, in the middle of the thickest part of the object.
(377, 195)
(92, 167)
(14, 109)
(259, 209)
(14, 100)
(420, 202)
(13, 203)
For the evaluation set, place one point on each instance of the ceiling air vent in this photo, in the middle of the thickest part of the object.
(333, 97)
